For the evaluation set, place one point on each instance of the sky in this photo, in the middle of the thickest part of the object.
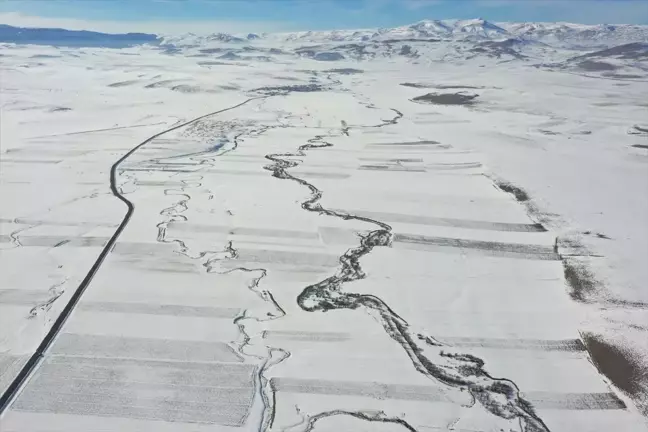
(241, 16)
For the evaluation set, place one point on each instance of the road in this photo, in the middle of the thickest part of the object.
(14, 387)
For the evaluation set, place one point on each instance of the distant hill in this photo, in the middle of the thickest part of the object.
(567, 35)
(72, 38)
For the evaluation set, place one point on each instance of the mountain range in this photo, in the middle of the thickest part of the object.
(562, 34)
(566, 35)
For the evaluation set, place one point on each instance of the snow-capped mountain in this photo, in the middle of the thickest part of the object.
(427, 29)
(447, 29)
(547, 45)
(480, 29)
(579, 34)
(191, 39)
(562, 34)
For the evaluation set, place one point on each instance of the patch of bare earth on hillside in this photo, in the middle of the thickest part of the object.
(583, 286)
(460, 98)
(284, 90)
(345, 71)
(621, 366)
(595, 66)
(520, 194)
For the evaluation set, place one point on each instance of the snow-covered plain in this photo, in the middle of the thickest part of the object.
(330, 249)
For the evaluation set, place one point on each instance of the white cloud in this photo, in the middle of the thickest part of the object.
(158, 27)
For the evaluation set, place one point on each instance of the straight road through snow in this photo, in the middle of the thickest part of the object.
(11, 391)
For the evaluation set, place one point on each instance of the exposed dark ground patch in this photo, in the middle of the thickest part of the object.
(394, 167)
(315, 54)
(606, 104)
(633, 51)
(568, 345)
(122, 83)
(252, 49)
(576, 401)
(638, 130)
(597, 234)
(345, 71)
(388, 41)
(416, 85)
(447, 98)
(595, 66)
(328, 56)
(497, 49)
(519, 193)
(31, 65)
(580, 279)
(622, 76)
(516, 248)
(408, 51)
(618, 364)
(283, 90)
(547, 132)
(213, 50)
(641, 146)
(159, 84)
(285, 78)
(60, 109)
(230, 56)
(215, 63)
(570, 246)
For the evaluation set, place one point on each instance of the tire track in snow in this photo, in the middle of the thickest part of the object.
(501, 397)
(30, 366)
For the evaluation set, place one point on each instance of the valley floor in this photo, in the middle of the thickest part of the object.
(192, 248)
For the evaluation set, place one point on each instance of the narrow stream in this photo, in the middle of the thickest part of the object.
(466, 372)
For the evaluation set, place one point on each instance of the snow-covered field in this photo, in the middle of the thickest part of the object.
(272, 235)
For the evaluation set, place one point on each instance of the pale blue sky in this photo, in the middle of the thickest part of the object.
(276, 15)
